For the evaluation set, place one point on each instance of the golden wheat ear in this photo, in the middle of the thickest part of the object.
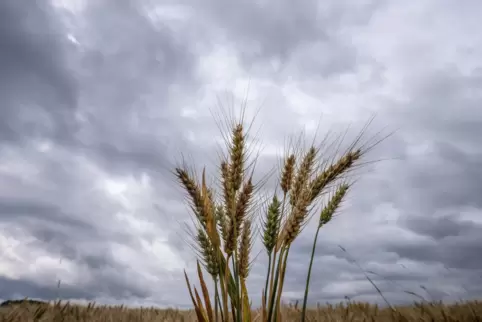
(194, 192)
(308, 163)
(287, 173)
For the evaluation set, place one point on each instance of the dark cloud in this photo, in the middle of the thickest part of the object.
(419, 208)
(439, 228)
(20, 289)
(11, 209)
(99, 104)
(39, 94)
(128, 72)
(452, 119)
(451, 242)
(70, 238)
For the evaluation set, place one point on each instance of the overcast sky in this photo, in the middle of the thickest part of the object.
(99, 99)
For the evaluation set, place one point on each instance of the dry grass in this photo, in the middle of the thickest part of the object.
(463, 312)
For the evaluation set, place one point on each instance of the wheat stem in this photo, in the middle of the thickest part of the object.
(272, 289)
(273, 292)
(284, 261)
(216, 300)
(305, 298)
(270, 257)
(325, 216)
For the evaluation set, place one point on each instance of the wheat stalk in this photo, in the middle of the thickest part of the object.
(325, 217)
(225, 236)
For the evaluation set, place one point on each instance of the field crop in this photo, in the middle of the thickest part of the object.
(463, 312)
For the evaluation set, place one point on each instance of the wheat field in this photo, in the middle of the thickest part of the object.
(58, 311)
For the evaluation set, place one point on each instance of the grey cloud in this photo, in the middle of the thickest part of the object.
(275, 28)
(105, 276)
(39, 96)
(336, 277)
(11, 209)
(454, 250)
(434, 178)
(305, 34)
(119, 78)
(446, 177)
(127, 80)
(108, 286)
(131, 70)
(53, 215)
(436, 148)
(31, 289)
(72, 239)
(439, 228)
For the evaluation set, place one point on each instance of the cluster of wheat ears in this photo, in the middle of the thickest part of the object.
(225, 220)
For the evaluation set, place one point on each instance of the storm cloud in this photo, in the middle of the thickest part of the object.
(101, 98)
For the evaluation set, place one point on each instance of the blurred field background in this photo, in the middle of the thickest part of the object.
(12, 311)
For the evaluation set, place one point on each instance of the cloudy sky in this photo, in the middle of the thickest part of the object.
(100, 98)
